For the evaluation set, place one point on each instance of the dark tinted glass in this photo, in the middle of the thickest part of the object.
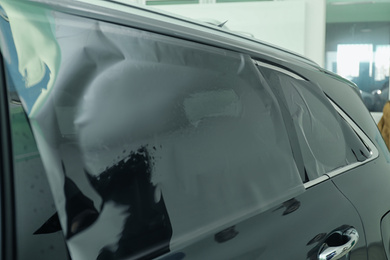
(150, 142)
(327, 141)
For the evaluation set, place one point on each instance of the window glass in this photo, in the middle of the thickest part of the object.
(149, 142)
(327, 141)
(34, 203)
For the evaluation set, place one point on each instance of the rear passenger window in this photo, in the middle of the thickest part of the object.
(327, 141)
(152, 142)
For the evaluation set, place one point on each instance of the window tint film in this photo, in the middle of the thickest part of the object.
(149, 142)
(327, 141)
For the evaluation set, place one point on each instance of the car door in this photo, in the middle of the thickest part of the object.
(265, 235)
(159, 146)
(305, 225)
(295, 229)
(365, 186)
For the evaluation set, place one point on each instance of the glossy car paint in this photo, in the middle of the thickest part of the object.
(368, 180)
(281, 233)
(296, 228)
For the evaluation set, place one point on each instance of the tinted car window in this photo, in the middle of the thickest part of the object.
(327, 141)
(151, 142)
(34, 203)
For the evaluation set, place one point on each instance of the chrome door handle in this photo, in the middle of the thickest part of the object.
(338, 244)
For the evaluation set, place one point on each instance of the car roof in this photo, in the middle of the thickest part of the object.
(154, 20)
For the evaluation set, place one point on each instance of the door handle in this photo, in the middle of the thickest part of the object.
(338, 244)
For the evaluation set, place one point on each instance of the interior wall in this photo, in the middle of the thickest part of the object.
(296, 25)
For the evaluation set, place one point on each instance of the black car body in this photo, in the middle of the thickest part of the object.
(164, 138)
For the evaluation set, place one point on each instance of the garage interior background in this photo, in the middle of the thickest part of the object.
(348, 37)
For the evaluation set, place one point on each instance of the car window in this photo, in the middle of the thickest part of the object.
(149, 142)
(34, 203)
(327, 141)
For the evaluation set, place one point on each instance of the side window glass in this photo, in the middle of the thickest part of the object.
(327, 141)
(34, 204)
(152, 141)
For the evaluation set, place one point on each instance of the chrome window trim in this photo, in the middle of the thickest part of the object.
(316, 181)
(284, 71)
(370, 145)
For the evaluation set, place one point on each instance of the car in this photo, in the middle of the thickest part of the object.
(369, 100)
(128, 133)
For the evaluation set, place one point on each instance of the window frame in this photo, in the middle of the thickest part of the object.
(374, 153)
(7, 196)
(363, 137)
